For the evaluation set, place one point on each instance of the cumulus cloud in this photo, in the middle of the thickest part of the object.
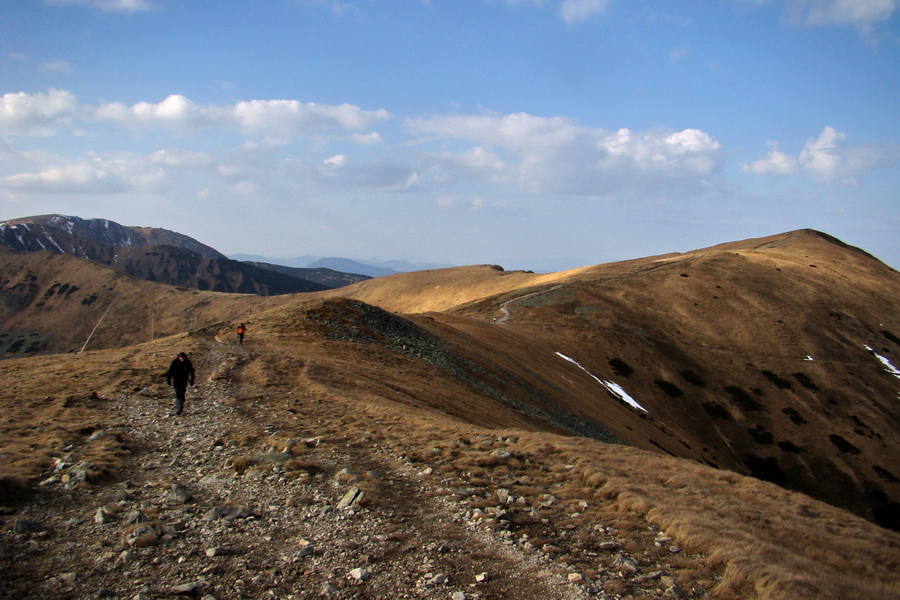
(82, 177)
(175, 111)
(825, 158)
(776, 162)
(556, 155)
(442, 154)
(35, 114)
(120, 6)
(292, 115)
(255, 117)
(338, 160)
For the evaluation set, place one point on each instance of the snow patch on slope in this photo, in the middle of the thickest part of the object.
(614, 388)
(888, 367)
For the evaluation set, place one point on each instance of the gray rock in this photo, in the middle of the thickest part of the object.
(625, 565)
(353, 495)
(609, 546)
(136, 516)
(103, 516)
(179, 494)
(675, 592)
(98, 435)
(187, 589)
(28, 526)
(80, 471)
(228, 512)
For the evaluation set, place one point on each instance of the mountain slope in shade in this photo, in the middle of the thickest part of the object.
(149, 253)
(328, 278)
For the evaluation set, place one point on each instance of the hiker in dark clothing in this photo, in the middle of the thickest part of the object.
(180, 373)
(241, 330)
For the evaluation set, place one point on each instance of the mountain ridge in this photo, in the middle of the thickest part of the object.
(155, 254)
(735, 371)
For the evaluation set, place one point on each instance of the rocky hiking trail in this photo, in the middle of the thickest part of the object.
(230, 500)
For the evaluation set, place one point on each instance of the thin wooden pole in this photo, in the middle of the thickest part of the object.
(95, 328)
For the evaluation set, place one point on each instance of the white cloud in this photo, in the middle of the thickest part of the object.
(455, 203)
(556, 155)
(825, 158)
(372, 138)
(572, 11)
(677, 55)
(255, 117)
(35, 114)
(295, 116)
(121, 6)
(822, 156)
(56, 66)
(177, 157)
(775, 163)
(863, 14)
(338, 7)
(81, 177)
(175, 111)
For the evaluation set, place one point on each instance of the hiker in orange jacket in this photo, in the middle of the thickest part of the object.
(241, 330)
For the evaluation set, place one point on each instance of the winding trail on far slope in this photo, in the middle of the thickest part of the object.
(504, 308)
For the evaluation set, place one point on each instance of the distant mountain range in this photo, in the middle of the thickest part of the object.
(344, 265)
(162, 256)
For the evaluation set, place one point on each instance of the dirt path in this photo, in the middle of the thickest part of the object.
(504, 308)
(203, 508)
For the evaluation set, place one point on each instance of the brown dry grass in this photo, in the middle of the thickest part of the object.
(769, 543)
(742, 537)
(760, 541)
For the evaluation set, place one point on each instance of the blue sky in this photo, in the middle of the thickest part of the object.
(535, 134)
